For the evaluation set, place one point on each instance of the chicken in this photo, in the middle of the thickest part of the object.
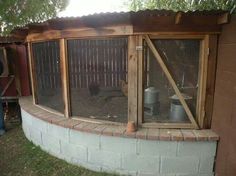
(94, 89)
(124, 87)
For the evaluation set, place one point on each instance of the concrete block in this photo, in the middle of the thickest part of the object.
(210, 174)
(86, 165)
(51, 144)
(26, 117)
(73, 152)
(118, 144)
(206, 165)
(104, 158)
(26, 130)
(84, 139)
(153, 174)
(179, 165)
(126, 172)
(204, 148)
(58, 132)
(134, 162)
(156, 148)
(39, 124)
(36, 136)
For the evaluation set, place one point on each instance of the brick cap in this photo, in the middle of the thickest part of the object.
(117, 130)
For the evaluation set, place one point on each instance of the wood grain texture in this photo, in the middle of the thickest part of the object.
(65, 77)
(32, 73)
(171, 80)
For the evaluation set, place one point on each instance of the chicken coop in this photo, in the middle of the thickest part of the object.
(95, 74)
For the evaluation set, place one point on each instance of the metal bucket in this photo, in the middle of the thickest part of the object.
(151, 95)
(177, 112)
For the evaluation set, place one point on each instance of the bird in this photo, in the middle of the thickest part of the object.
(124, 87)
(94, 89)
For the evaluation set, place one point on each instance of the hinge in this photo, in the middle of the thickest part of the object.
(208, 51)
(139, 48)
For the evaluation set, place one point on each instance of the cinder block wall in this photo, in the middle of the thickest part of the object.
(224, 110)
(122, 155)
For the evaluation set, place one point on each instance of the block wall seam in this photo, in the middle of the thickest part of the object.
(167, 151)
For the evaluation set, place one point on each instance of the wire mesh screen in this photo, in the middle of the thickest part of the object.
(46, 57)
(102, 61)
(182, 60)
(98, 75)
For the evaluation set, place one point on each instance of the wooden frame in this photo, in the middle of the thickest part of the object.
(65, 77)
(135, 78)
(203, 64)
(171, 80)
(32, 73)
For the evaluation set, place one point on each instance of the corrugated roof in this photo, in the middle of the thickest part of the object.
(103, 19)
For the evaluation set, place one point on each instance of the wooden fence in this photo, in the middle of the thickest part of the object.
(46, 57)
(97, 61)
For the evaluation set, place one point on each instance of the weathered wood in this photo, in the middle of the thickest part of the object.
(210, 85)
(32, 73)
(171, 80)
(224, 18)
(176, 36)
(81, 33)
(65, 77)
(10, 81)
(168, 125)
(178, 17)
(139, 48)
(202, 78)
(132, 79)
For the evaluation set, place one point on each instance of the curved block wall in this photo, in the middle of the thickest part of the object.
(121, 155)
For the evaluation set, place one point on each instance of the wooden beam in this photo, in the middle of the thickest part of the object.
(224, 18)
(32, 73)
(168, 125)
(81, 33)
(178, 17)
(132, 80)
(210, 85)
(202, 79)
(171, 80)
(65, 77)
(7, 85)
(139, 48)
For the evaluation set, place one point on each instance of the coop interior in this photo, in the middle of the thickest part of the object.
(181, 57)
(98, 78)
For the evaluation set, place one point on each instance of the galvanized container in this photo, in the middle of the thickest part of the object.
(177, 112)
(151, 95)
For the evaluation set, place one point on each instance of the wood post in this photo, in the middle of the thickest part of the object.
(203, 63)
(32, 73)
(65, 77)
(133, 78)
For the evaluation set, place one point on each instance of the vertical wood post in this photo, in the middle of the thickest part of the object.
(132, 80)
(211, 76)
(65, 78)
(32, 73)
(140, 79)
(203, 64)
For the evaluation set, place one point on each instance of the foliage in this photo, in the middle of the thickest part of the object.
(20, 12)
(182, 5)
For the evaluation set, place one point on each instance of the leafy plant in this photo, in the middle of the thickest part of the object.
(182, 5)
(20, 12)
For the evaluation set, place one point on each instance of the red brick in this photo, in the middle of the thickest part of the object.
(189, 135)
(141, 133)
(153, 134)
(165, 135)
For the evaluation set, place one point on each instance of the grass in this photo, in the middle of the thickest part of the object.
(19, 157)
